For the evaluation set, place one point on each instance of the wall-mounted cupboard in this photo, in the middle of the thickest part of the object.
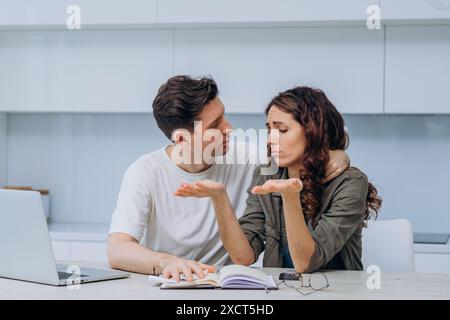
(83, 71)
(54, 14)
(417, 69)
(121, 70)
(156, 13)
(252, 65)
(415, 11)
(263, 11)
(398, 69)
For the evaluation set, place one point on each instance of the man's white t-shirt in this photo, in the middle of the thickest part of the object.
(185, 227)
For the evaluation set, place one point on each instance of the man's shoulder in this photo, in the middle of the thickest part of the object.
(146, 163)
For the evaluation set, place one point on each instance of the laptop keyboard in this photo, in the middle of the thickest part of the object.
(66, 275)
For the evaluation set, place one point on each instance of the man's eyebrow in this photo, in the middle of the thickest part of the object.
(212, 124)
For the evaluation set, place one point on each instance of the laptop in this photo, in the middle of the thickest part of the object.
(26, 251)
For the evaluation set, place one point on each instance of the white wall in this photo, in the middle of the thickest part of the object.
(3, 149)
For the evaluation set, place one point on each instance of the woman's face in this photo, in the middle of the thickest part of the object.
(288, 142)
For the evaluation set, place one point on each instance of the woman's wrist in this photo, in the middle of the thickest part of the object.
(290, 195)
(219, 195)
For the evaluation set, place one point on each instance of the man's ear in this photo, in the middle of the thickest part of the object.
(180, 136)
(181, 153)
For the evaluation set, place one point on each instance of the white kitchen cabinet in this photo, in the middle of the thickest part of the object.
(417, 11)
(83, 71)
(417, 71)
(3, 149)
(93, 13)
(61, 250)
(237, 11)
(252, 65)
(79, 242)
(80, 251)
(88, 251)
(432, 262)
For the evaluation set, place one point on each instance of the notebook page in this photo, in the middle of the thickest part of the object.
(209, 279)
(242, 272)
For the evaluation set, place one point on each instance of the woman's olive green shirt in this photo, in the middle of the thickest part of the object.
(339, 222)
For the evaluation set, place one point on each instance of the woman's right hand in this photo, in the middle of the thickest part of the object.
(173, 267)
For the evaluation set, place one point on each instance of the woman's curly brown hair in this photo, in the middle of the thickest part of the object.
(324, 130)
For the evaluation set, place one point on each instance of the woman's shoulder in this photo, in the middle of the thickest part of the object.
(352, 173)
(351, 180)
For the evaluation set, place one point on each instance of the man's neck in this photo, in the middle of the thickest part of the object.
(190, 168)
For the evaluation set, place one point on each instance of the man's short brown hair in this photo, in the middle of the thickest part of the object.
(180, 100)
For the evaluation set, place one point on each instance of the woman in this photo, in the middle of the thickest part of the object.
(298, 221)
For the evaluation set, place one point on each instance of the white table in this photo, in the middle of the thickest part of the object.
(343, 285)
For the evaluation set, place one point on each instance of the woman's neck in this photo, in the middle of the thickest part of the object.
(294, 172)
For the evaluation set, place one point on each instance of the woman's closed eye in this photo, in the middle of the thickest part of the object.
(282, 130)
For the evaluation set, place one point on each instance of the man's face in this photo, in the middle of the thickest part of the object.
(215, 128)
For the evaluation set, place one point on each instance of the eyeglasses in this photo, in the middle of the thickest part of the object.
(309, 282)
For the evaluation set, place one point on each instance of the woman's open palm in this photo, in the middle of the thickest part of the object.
(292, 185)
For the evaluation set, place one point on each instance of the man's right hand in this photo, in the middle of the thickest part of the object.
(173, 267)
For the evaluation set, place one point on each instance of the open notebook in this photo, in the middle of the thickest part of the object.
(229, 277)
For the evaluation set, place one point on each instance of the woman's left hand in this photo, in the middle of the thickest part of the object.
(200, 189)
(283, 186)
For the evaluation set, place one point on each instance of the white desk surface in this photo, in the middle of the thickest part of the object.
(343, 285)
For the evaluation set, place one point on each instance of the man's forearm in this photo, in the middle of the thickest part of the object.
(133, 257)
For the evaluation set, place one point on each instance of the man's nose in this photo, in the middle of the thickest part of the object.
(226, 126)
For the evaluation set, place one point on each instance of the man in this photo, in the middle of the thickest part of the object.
(154, 232)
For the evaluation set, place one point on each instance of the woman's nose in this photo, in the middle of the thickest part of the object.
(273, 136)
